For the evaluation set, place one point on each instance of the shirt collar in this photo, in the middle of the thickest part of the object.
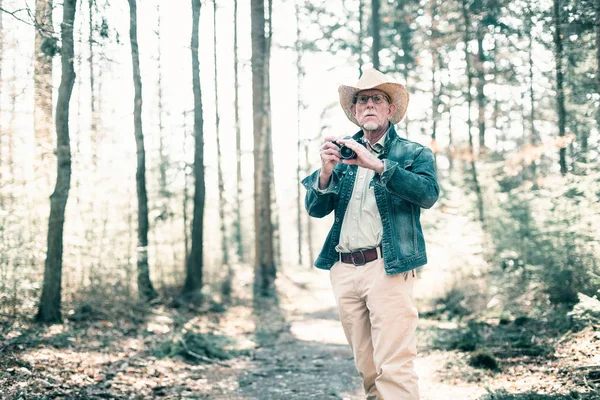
(377, 147)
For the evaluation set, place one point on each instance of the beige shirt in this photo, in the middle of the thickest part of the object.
(362, 228)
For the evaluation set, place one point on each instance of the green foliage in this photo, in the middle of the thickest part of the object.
(50, 46)
(104, 30)
(547, 239)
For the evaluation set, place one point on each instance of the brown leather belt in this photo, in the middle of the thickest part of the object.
(359, 257)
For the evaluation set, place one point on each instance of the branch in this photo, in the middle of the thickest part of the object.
(32, 21)
(201, 357)
(14, 15)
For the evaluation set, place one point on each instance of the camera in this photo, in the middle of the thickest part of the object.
(347, 153)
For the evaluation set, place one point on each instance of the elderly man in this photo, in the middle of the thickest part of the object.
(376, 183)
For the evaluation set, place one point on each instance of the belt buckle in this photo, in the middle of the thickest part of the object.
(364, 260)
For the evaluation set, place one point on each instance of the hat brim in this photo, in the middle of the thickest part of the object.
(397, 93)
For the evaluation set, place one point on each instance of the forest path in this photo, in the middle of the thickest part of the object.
(313, 359)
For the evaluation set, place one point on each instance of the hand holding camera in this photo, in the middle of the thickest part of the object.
(346, 153)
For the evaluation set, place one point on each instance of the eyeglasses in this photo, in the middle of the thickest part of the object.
(364, 99)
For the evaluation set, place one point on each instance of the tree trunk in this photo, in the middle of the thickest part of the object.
(271, 166)
(376, 33)
(94, 110)
(436, 87)
(186, 196)
(238, 141)
(1, 127)
(162, 183)
(194, 268)
(481, 100)
(45, 46)
(299, 108)
(597, 67)
(360, 36)
(264, 260)
(221, 184)
(560, 93)
(469, 73)
(309, 231)
(450, 143)
(145, 289)
(49, 308)
(534, 139)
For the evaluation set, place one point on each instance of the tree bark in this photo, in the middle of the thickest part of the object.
(93, 106)
(467, 38)
(145, 289)
(49, 307)
(375, 22)
(560, 93)
(238, 141)
(1, 127)
(220, 182)
(45, 46)
(360, 36)
(436, 87)
(299, 108)
(275, 226)
(481, 100)
(194, 268)
(162, 183)
(309, 230)
(264, 260)
(597, 4)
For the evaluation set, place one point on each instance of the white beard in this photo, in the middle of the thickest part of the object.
(370, 126)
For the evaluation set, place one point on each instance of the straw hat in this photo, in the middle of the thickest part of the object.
(373, 79)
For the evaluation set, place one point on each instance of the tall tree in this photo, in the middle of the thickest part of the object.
(44, 50)
(481, 100)
(93, 96)
(1, 127)
(361, 29)
(194, 267)
(274, 209)
(467, 38)
(560, 92)
(264, 273)
(221, 183)
(375, 32)
(49, 307)
(299, 107)
(145, 289)
(597, 26)
(404, 58)
(238, 140)
(436, 87)
(162, 183)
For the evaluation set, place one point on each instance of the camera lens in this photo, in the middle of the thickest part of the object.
(347, 153)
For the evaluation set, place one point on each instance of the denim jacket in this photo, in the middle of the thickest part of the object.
(407, 183)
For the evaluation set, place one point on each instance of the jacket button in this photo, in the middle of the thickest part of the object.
(351, 173)
(337, 220)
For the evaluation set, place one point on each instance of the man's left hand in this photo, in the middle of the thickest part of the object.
(364, 158)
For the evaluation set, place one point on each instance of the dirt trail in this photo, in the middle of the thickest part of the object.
(316, 354)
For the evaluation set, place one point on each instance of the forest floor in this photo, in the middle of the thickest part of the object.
(290, 347)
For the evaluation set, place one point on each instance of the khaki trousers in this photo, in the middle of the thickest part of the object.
(379, 318)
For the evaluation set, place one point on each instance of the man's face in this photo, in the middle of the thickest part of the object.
(370, 114)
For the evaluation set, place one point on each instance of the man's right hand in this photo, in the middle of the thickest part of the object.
(330, 156)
